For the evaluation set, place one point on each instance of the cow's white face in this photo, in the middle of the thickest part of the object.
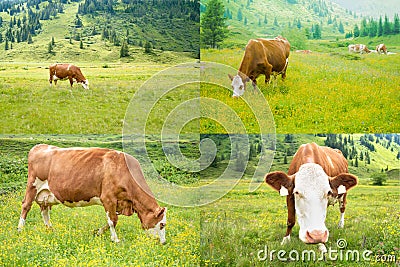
(237, 85)
(159, 229)
(311, 192)
(85, 84)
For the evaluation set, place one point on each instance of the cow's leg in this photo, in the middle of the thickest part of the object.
(267, 73)
(71, 81)
(51, 77)
(254, 83)
(46, 216)
(291, 218)
(342, 205)
(112, 217)
(27, 204)
(284, 69)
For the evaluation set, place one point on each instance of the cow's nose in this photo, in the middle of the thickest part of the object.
(317, 236)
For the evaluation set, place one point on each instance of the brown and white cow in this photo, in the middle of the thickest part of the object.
(317, 177)
(359, 48)
(261, 56)
(79, 177)
(67, 71)
(381, 48)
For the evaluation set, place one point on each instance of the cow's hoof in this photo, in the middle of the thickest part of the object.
(285, 240)
(322, 248)
(340, 224)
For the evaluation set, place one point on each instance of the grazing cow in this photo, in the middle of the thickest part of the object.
(381, 48)
(359, 48)
(79, 177)
(303, 51)
(67, 71)
(261, 56)
(317, 177)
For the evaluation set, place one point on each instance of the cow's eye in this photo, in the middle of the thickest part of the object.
(162, 225)
(297, 193)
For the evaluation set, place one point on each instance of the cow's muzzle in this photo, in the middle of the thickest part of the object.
(316, 236)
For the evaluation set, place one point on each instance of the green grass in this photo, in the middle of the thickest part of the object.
(72, 243)
(323, 92)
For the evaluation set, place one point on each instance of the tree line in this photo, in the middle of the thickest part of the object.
(372, 28)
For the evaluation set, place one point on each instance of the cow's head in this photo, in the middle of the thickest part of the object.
(311, 188)
(238, 84)
(157, 227)
(85, 84)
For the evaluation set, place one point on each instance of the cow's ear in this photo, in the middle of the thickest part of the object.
(279, 179)
(230, 76)
(160, 212)
(345, 179)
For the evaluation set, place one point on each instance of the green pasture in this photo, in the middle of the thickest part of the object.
(72, 242)
(325, 92)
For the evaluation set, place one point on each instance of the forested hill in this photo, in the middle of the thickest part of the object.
(171, 25)
(268, 18)
(166, 24)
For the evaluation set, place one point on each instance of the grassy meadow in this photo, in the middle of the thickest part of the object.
(324, 92)
(72, 242)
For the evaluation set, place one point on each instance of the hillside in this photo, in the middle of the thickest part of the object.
(370, 7)
(300, 21)
(268, 18)
(96, 29)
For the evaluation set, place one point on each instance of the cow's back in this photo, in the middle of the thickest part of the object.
(331, 160)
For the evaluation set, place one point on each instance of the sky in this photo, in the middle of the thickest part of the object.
(372, 8)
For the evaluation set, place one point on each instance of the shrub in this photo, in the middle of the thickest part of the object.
(379, 178)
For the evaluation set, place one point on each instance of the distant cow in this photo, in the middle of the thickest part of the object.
(381, 48)
(359, 48)
(79, 177)
(67, 71)
(261, 56)
(317, 177)
(303, 51)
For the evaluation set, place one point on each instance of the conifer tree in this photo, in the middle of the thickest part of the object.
(213, 29)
